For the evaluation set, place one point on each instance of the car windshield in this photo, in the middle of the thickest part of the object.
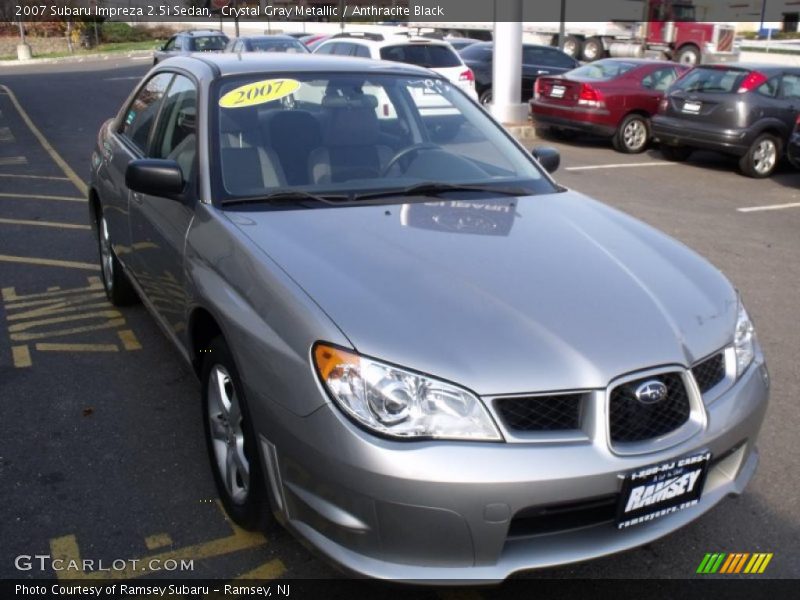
(357, 134)
(431, 56)
(710, 80)
(602, 69)
(211, 43)
(267, 45)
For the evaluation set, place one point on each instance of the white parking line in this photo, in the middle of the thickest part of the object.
(748, 209)
(621, 166)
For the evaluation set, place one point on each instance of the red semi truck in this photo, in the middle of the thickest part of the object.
(664, 29)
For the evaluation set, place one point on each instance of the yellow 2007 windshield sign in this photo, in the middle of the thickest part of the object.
(259, 92)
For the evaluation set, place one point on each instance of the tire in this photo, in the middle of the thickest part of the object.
(632, 135)
(688, 55)
(593, 49)
(119, 290)
(486, 97)
(762, 157)
(230, 439)
(676, 153)
(573, 46)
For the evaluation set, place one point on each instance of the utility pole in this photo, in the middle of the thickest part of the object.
(23, 49)
(562, 27)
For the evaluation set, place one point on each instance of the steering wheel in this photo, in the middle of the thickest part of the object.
(407, 151)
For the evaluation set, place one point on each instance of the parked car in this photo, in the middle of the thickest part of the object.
(613, 98)
(200, 40)
(433, 54)
(267, 43)
(313, 40)
(744, 110)
(512, 376)
(536, 61)
(793, 147)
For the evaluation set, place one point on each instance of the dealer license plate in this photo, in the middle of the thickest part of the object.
(663, 489)
(557, 91)
(692, 107)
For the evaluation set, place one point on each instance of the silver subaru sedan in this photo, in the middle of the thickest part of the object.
(418, 352)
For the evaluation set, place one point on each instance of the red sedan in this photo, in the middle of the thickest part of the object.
(613, 98)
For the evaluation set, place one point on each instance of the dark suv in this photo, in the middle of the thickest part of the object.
(207, 40)
(745, 110)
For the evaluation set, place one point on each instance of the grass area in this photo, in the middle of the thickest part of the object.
(101, 49)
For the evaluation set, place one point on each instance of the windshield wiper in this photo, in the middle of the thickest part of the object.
(433, 189)
(285, 196)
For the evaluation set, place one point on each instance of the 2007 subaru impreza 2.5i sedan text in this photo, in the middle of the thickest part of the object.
(417, 351)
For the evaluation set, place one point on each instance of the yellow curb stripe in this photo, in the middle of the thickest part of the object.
(49, 262)
(159, 540)
(73, 177)
(763, 566)
(129, 341)
(740, 564)
(269, 570)
(728, 562)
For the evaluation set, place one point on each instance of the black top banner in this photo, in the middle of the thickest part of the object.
(401, 11)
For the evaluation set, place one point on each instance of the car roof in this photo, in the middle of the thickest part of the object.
(277, 36)
(239, 64)
(751, 66)
(392, 40)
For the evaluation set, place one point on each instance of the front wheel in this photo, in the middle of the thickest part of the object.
(119, 290)
(632, 135)
(675, 153)
(762, 157)
(688, 55)
(230, 438)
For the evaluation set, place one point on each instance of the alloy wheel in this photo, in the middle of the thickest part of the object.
(764, 157)
(634, 135)
(227, 434)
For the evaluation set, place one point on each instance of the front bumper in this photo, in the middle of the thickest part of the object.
(442, 511)
(680, 132)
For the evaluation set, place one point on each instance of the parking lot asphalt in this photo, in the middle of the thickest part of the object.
(102, 453)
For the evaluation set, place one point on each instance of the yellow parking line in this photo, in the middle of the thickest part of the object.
(44, 224)
(21, 356)
(73, 177)
(49, 262)
(129, 341)
(77, 347)
(43, 197)
(159, 540)
(269, 570)
(24, 176)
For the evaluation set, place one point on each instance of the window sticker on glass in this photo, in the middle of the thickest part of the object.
(259, 92)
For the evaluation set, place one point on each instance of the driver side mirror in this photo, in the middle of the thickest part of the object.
(155, 177)
(548, 157)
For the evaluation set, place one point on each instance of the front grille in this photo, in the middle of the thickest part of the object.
(632, 421)
(710, 372)
(540, 520)
(541, 413)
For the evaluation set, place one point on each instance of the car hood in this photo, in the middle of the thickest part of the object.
(503, 295)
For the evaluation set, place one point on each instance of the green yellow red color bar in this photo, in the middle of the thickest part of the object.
(735, 562)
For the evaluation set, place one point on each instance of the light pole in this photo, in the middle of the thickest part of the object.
(23, 49)
(507, 106)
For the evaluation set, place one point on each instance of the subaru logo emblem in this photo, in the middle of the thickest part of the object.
(651, 392)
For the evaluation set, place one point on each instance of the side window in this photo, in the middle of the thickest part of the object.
(138, 121)
(343, 49)
(170, 45)
(769, 88)
(176, 132)
(790, 87)
(660, 79)
(362, 51)
(325, 49)
(179, 43)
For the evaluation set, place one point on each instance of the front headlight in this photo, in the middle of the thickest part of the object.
(395, 402)
(744, 341)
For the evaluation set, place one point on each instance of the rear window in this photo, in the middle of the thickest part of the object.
(710, 80)
(546, 57)
(602, 69)
(431, 56)
(267, 45)
(210, 43)
(480, 52)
